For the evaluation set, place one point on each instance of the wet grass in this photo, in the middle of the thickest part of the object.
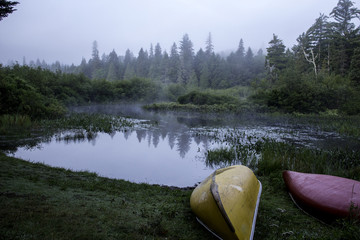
(345, 125)
(40, 202)
(8, 121)
(240, 107)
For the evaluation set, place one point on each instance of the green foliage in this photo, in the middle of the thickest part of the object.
(41, 93)
(202, 98)
(321, 72)
(137, 89)
(20, 96)
(173, 91)
(305, 93)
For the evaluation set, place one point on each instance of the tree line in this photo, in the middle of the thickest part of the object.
(321, 72)
(205, 69)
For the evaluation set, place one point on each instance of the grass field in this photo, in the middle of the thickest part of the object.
(40, 202)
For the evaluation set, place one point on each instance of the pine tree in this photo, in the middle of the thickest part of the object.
(6, 8)
(345, 36)
(95, 62)
(155, 67)
(240, 52)
(343, 13)
(174, 65)
(129, 65)
(113, 66)
(142, 64)
(200, 69)
(276, 58)
(165, 68)
(186, 59)
(276, 53)
(209, 45)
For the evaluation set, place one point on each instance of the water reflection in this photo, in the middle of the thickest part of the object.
(172, 150)
(139, 156)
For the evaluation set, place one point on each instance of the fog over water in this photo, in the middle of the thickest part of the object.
(64, 30)
(168, 148)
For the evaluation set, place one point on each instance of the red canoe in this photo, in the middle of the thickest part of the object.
(324, 196)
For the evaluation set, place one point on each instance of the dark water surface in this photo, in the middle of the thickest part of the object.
(170, 151)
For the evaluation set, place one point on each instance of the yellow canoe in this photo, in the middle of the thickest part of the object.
(227, 201)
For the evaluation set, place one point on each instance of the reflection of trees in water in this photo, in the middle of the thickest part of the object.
(183, 144)
(179, 137)
(127, 134)
(172, 134)
(171, 139)
(112, 134)
(201, 139)
(156, 138)
(141, 134)
(164, 132)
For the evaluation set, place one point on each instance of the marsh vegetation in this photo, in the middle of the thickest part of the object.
(165, 122)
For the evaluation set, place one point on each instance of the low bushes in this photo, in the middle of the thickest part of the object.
(202, 98)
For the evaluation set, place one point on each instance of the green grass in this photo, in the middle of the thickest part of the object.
(40, 202)
(10, 121)
(241, 107)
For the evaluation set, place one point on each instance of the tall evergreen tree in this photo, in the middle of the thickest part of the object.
(156, 61)
(129, 65)
(276, 58)
(276, 53)
(113, 66)
(186, 59)
(345, 36)
(142, 64)
(165, 68)
(209, 49)
(200, 69)
(174, 65)
(6, 8)
(240, 52)
(95, 62)
(343, 14)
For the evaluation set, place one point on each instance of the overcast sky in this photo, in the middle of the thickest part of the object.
(65, 29)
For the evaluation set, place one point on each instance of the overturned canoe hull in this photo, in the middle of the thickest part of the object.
(226, 202)
(323, 196)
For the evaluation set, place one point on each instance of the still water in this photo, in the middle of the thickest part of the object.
(135, 156)
(170, 152)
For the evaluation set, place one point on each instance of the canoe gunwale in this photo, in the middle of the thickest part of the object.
(207, 228)
(215, 193)
(211, 193)
(256, 211)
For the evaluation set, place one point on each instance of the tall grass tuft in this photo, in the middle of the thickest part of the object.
(10, 121)
(278, 156)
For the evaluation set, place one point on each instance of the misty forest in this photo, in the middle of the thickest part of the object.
(320, 73)
(113, 148)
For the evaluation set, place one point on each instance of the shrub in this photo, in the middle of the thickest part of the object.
(201, 98)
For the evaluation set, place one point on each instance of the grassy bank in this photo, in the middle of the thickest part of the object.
(40, 202)
(241, 107)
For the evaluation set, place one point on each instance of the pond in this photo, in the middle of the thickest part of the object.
(170, 151)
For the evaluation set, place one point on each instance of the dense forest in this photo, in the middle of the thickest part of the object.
(320, 73)
(205, 69)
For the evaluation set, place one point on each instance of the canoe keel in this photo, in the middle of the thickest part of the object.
(226, 202)
(323, 196)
